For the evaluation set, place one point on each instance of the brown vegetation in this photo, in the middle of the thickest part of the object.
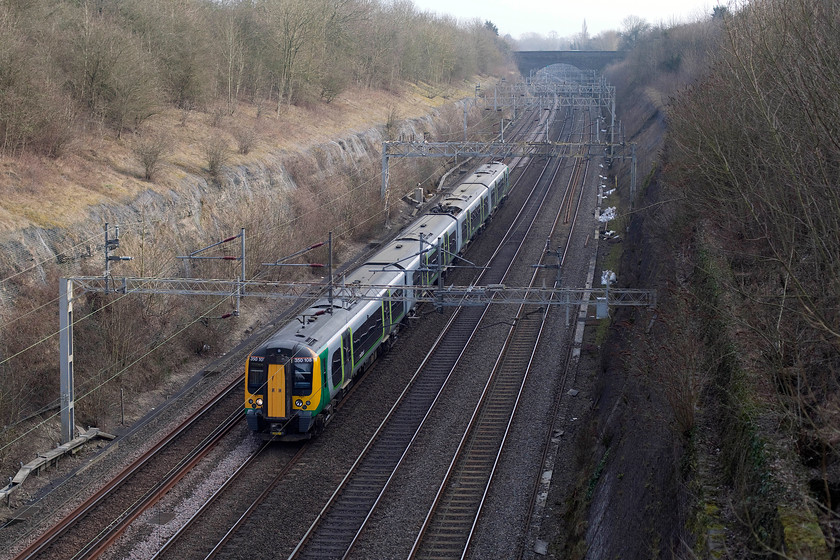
(68, 67)
(757, 154)
(741, 202)
(71, 87)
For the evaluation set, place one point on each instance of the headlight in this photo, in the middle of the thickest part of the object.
(259, 402)
(298, 402)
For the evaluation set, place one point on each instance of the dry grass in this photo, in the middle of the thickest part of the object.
(99, 168)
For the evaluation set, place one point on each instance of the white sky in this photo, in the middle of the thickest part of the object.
(566, 16)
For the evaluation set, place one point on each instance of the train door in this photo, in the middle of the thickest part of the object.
(445, 257)
(389, 314)
(430, 257)
(336, 369)
(278, 399)
(346, 355)
(398, 309)
(475, 218)
(464, 231)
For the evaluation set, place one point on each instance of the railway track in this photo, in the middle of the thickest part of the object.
(205, 532)
(194, 542)
(92, 526)
(341, 521)
(450, 523)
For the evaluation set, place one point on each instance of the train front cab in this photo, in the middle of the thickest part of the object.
(282, 392)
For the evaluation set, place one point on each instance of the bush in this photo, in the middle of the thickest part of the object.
(246, 137)
(149, 149)
(217, 152)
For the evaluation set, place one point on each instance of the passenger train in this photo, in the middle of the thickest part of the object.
(294, 379)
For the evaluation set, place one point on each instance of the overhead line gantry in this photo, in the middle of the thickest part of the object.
(440, 296)
(564, 89)
(397, 149)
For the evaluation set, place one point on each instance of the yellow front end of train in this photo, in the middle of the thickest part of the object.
(282, 392)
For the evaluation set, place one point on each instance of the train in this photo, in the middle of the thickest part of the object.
(295, 378)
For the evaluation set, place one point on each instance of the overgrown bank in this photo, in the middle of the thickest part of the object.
(758, 140)
(721, 410)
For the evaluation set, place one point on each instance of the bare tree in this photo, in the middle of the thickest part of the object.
(291, 24)
(633, 28)
(759, 142)
(231, 45)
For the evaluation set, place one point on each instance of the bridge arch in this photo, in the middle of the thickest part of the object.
(527, 61)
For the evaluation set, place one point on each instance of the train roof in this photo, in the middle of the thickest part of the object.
(465, 196)
(400, 252)
(430, 226)
(315, 326)
(368, 274)
(405, 250)
(486, 173)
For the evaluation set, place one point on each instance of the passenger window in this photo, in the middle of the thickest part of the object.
(368, 334)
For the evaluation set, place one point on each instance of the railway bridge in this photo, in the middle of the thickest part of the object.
(527, 61)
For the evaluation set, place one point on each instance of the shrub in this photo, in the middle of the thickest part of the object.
(149, 149)
(217, 152)
(245, 138)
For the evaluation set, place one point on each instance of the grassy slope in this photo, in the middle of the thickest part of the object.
(99, 168)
